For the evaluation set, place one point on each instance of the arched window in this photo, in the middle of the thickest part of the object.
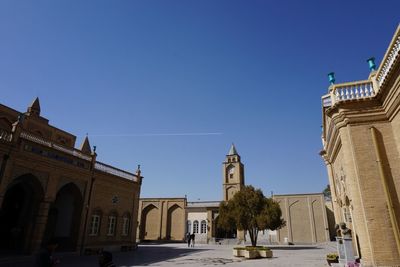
(126, 220)
(195, 227)
(189, 226)
(112, 223)
(95, 223)
(203, 227)
(231, 171)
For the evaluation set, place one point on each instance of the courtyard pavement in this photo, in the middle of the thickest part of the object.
(201, 255)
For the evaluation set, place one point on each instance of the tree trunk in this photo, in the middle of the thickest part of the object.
(253, 236)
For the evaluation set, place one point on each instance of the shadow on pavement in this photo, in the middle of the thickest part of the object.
(293, 248)
(146, 255)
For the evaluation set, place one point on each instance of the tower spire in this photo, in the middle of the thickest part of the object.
(232, 150)
(34, 108)
(85, 146)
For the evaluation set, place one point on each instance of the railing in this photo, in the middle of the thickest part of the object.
(5, 136)
(391, 56)
(114, 171)
(43, 142)
(351, 91)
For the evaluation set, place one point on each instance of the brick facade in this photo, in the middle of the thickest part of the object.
(50, 189)
(361, 139)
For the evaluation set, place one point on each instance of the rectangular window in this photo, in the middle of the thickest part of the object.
(111, 225)
(94, 225)
(125, 226)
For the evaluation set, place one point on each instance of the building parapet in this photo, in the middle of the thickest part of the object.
(73, 152)
(353, 90)
(367, 89)
(391, 56)
(202, 204)
(115, 171)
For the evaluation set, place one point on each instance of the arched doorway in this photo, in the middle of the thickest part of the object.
(65, 217)
(18, 213)
(149, 230)
(175, 223)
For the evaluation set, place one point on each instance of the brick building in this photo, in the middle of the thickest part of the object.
(50, 189)
(306, 219)
(361, 150)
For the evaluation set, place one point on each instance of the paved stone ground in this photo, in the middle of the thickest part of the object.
(165, 255)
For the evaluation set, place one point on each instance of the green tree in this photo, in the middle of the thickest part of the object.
(249, 210)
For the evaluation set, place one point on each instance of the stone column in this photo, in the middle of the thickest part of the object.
(40, 225)
(164, 218)
(161, 219)
(43, 212)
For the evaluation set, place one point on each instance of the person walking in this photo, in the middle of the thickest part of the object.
(192, 237)
(188, 238)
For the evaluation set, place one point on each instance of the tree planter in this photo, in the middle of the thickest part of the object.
(332, 261)
(265, 253)
(251, 254)
(238, 252)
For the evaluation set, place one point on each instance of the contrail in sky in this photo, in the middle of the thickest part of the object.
(153, 134)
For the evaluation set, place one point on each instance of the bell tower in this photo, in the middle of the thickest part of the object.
(233, 174)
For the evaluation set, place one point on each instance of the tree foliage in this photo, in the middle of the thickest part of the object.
(249, 210)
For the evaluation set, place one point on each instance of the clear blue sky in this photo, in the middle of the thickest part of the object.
(253, 71)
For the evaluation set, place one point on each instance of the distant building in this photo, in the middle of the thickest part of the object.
(361, 150)
(306, 219)
(160, 217)
(50, 189)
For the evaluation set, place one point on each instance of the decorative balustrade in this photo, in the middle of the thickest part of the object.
(43, 142)
(390, 58)
(351, 91)
(5, 136)
(114, 171)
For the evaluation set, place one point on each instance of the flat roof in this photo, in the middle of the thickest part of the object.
(203, 204)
